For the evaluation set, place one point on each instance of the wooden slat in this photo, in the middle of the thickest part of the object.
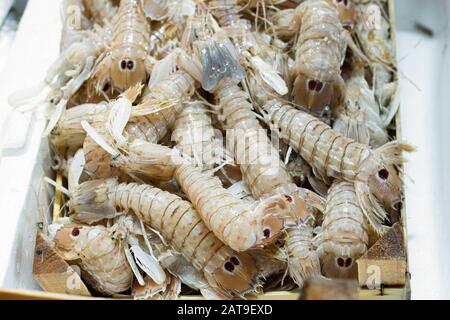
(364, 294)
(14, 294)
(58, 198)
(53, 273)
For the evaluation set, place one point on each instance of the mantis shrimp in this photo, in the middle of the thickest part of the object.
(251, 46)
(240, 226)
(372, 32)
(196, 137)
(344, 235)
(262, 169)
(320, 52)
(126, 63)
(372, 172)
(344, 232)
(102, 258)
(361, 118)
(303, 259)
(109, 255)
(226, 271)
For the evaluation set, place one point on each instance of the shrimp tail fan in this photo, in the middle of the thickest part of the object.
(91, 201)
(373, 211)
(219, 63)
(391, 153)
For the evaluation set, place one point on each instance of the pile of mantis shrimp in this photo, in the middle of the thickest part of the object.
(226, 147)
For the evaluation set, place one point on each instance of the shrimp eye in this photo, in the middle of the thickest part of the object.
(288, 198)
(315, 85)
(383, 174)
(106, 87)
(235, 261)
(130, 65)
(312, 85)
(341, 262)
(123, 64)
(75, 232)
(348, 262)
(229, 267)
(319, 86)
(346, 2)
(266, 233)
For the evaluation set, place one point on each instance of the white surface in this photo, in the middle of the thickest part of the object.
(7, 35)
(425, 123)
(9, 28)
(36, 46)
(5, 5)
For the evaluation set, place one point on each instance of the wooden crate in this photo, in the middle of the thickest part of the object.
(401, 292)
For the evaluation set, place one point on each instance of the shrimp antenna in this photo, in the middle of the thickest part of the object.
(57, 186)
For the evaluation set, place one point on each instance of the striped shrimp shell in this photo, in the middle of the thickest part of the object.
(344, 233)
(320, 52)
(196, 137)
(180, 225)
(126, 63)
(261, 166)
(303, 260)
(156, 114)
(377, 183)
(233, 221)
